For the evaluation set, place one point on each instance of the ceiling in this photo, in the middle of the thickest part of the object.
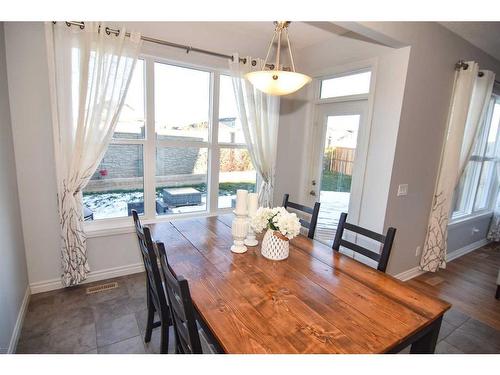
(247, 37)
(484, 35)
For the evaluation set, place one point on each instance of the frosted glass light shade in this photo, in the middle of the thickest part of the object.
(277, 82)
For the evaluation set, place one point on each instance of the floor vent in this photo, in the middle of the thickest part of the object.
(101, 288)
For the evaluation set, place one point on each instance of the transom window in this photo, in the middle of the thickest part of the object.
(476, 191)
(346, 85)
(178, 147)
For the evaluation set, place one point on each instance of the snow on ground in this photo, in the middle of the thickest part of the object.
(110, 205)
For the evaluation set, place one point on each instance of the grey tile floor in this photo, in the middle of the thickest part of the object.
(113, 321)
(71, 321)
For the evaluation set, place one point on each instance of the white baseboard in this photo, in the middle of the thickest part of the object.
(19, 322)
(466, 249)
(47, 285)
(416, 271)
(409, 274)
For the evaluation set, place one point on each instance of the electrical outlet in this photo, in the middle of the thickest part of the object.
(417, 251)
(402, 190)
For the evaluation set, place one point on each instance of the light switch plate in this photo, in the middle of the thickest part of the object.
(402, 190)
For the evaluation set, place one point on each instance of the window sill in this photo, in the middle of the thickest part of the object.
(466, 218)
(124, 225)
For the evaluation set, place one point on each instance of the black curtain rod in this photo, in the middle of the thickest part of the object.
(187, 48)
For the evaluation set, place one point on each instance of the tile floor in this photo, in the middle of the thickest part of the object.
(71, 321)
(113, 321)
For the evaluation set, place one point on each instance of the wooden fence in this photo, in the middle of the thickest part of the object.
(339, 160)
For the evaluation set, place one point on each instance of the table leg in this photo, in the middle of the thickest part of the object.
(427, 343)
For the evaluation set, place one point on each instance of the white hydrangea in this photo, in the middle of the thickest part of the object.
(277, 218)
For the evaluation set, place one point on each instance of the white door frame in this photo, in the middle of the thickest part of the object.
(314, 105)
(323, 111)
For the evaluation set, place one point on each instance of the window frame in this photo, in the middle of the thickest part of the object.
(472, 187)
(343, 73)
(118, 225)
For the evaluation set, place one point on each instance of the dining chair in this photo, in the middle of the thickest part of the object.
(386, 240)
(314, 212)
(190, 338)
(156, 299)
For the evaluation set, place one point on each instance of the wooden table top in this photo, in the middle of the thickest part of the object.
(316, 301)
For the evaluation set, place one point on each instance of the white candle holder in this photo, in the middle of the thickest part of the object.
(239, 229)
(250, 240)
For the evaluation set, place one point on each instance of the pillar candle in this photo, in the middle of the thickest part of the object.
(241, 201)
(253, 204)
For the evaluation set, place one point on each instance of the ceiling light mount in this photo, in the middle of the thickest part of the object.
(278, 81)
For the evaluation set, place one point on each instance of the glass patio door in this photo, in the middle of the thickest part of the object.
(341, 148)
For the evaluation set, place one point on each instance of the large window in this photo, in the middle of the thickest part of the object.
(235, 167)
(117, 185)
(477, 188)
(178, 147)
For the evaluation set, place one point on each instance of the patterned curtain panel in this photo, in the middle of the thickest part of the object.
(494, 231)
(259, 116)
(469, 103)
(91, 72)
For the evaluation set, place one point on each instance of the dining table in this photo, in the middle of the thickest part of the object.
(316, 301)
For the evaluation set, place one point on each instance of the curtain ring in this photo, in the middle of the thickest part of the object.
(244, 60)
(254, 62)
(188, 49)
(107, 30)
(67, 24)
(82, 26)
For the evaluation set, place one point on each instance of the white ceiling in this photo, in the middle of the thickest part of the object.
(484, 35)
(226, 37)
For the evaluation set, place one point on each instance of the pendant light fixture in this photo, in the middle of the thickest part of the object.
(277, 81)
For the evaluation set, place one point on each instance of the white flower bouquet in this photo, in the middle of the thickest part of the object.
(281, 227)
(276, 219)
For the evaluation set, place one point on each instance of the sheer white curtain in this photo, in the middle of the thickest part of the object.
(91, 72)
(259, 116)
(469, 103)
(494, 230)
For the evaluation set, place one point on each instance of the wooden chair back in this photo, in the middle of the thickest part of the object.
(314, 212)
(150, 259)
(386, 240)
(181, 305)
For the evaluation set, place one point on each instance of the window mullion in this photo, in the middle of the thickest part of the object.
(214, 152)
(150, 147)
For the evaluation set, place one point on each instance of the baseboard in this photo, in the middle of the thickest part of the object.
(409, 274)
(416, 271)
(466, 249)
(48, 285)
(19, 322)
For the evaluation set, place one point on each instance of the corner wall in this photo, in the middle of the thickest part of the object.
(14, 290)
(427, 96)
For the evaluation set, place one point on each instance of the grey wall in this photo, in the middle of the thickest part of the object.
(389, 67)
(465, 233)
(30, 107)
(434, 51)
(13, 273)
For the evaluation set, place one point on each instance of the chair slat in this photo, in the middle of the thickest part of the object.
(314, 212)
(387, 240)
(361, 250)
(304, 223)
(300, 207)
(365, 232)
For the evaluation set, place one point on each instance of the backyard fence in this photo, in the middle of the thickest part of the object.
(339, 160)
